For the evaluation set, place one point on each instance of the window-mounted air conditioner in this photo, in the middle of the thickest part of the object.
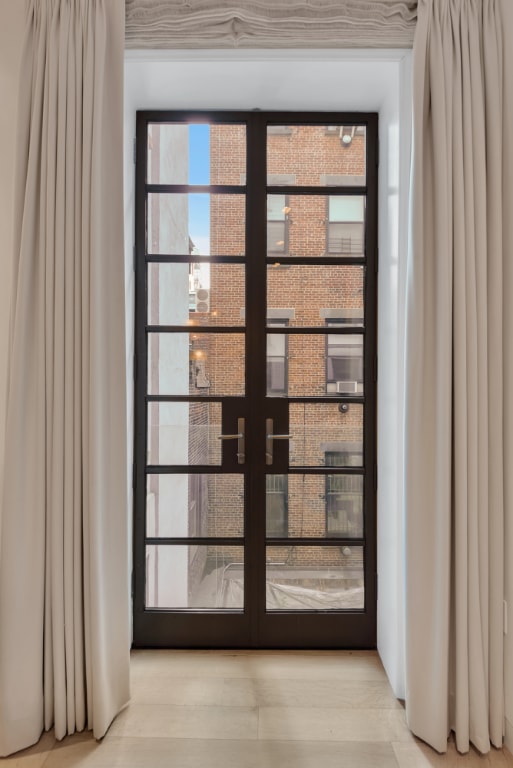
(349, 387)
(202, 300)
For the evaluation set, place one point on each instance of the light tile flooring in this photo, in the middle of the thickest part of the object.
(254, 709)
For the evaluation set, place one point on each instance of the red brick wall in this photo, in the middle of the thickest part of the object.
(307, 153)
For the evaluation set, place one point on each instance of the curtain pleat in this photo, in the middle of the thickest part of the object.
(64, 597)
(457, 332)
(270, 24)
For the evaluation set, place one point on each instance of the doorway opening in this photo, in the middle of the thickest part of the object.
(256, 259)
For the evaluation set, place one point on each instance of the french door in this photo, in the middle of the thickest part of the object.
(255, 463)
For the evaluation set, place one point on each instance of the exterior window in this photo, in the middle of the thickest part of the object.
(344, 359)
(277, 373)
(344, 495)
(276, 505)
(277, 224)
(198, 505)
(346, 217)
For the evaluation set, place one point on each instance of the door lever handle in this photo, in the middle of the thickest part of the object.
(240, 437)
(269, 438)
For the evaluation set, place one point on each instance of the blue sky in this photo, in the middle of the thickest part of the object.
(199, 173)
(199, 154)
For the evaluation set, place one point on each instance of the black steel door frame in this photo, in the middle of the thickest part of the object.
(254, 627)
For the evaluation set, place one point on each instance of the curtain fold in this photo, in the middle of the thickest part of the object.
(270, 24)
(457, 342)
(64, 602)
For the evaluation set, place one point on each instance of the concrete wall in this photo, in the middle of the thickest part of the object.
(12, 17)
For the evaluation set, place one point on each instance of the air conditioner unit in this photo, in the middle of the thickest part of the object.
(349, 387)
(202, 300)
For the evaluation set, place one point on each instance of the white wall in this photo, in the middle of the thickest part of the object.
(12, 15)
(320, 80)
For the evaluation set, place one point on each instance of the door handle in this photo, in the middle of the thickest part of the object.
(269, 441)
(240, 437)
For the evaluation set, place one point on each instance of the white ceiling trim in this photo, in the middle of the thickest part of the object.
(182, 24)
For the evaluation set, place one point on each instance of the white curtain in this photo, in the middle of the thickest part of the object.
(64, 603)
(458, 350)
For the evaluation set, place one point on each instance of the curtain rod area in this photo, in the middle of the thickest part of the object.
(196, 24)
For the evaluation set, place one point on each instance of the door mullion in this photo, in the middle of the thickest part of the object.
(256, 206)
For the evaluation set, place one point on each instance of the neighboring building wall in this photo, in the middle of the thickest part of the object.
(308, 296)
(167, 568)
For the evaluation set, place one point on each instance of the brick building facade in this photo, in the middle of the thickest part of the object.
(298, 296)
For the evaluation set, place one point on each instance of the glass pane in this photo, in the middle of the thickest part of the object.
(196, 224)
(277, 363)
(314, 578)
(346, 208)
(316, 295)
(317, 155)
(315, 226)
(276, 505)
(276, 207)
(194, 577)
(199, 153)
(316, 365)
(195, 505)
(344, 505)
(184, 433)
(200, 364)
(344, 362)
(318, 430)
(196, 294)
(309, 506)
